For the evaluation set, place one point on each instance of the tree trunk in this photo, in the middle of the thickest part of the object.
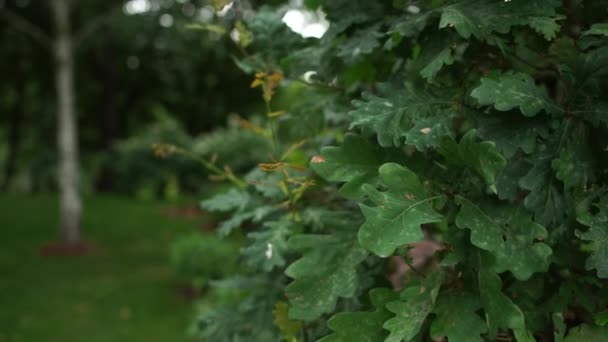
(14, 134)
(70, 205)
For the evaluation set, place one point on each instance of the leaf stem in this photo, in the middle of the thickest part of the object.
(273, 128)
(212, 167)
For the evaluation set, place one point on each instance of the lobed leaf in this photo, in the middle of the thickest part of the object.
(544, 198)
(354, 163)
(404, 115)
(399, 211)
(500, 310)
(480, 18)
(513, 90)
(457, 318)
(268, 246)
(325, 272)
(415, 304)
(587, 333)
(597, 29)
(363, 326)
(576, 165)
(511, 133)
(481, 157)
(233, 199)
(509, 234)
(597, 235)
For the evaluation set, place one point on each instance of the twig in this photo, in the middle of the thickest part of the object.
(92, 25)
(26, 27)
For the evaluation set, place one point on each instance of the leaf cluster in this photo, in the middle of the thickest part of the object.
(479, 126)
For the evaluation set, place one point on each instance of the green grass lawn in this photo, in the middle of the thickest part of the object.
(123, 292)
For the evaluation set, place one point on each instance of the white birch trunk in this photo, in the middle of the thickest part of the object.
(67, 140)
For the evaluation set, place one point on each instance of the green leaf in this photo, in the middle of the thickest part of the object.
(575, 292)
(417, 302)
(481, 157)
(559, 327)
(597, 235)
(363, 43)
(427, 132)
(512, 90)
(544, 199)
(233, 199)
(586, 75)
(272, 39)
(593, 110)
(600, 29)
(480, 18)
(511, 133)
(354, 163)
(509, 234)
(601, 318)
(268, 247)
(408, 115)
(243, 206)
(363, 326)
(323, 218)
(456, 318)
(445, 57)
(576, 164)
(399, 211)
(410, 25)
(344, 13)
(458, 244)
(253, 212)
(587, 333)
(266, 183)
(325, 272)
(547, 26)
(507, 187)
(500, 310)
(527, 295)
(438, 50)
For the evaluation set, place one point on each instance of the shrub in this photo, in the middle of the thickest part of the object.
(201, 258)
(136, 170)
(233, 146)
(480, 125)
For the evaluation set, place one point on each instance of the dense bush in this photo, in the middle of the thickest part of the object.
(478, 124)
(137, 169)
(200, 258)
(232, 146)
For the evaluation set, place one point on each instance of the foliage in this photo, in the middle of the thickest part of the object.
(138, 171)
(135, 164)
(127, 65)
(478, 124)
(233, 146)
(197, 257)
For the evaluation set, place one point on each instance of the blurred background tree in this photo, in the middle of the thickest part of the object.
(138, 70)
(145, 72)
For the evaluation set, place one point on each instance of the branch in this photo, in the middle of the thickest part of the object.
(23, 25)
(92, 25)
